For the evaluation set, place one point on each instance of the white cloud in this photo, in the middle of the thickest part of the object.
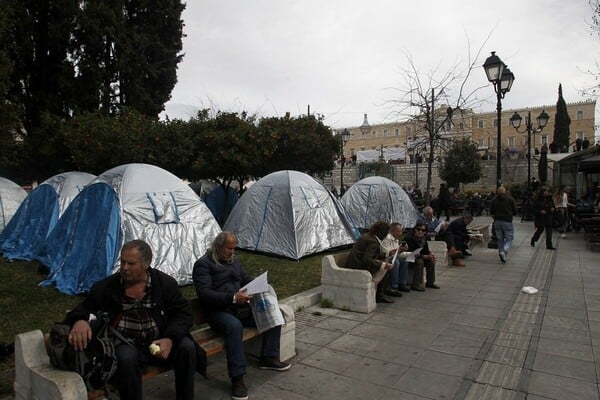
(270, 57)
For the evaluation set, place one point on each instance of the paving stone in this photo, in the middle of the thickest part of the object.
(515, 340)
(502, 375)
(376, 348)
(480, 391)
(506, 355)
(317, 336)
(565, 334)
(338, 324)
(565, 366)
(561, 388)
(566, 349)
(444, 363)
(429, 384)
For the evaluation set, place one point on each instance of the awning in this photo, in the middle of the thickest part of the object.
(590, 165)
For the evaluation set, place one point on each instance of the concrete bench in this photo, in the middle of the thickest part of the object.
(348, 289)
(37, 379)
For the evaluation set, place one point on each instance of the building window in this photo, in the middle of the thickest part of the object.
(397, 132)
(385, 133)
(480, 124)
(461, 126)
(579, 135)
(545, 140)
(362, 135)
(374, 134)
(481, 143)
(408, 131)
(511, 141)
(579, 114)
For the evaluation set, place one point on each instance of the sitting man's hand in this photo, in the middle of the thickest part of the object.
(165, 344)
(241, 297)
(388, 266)
(80, 335)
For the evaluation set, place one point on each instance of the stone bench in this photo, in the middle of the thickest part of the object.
(348, 289)
(37, 379)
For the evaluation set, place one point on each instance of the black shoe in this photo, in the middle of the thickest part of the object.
(238, 389)
(532, 243)
(417, 288)
(551, 248)
(404, 288)
(393, 293)
(273, 364)
(432, 286)
(383, 299)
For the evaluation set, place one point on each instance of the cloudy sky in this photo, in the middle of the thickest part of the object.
(341, 57)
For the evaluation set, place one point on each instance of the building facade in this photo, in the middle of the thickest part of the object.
(481, 128)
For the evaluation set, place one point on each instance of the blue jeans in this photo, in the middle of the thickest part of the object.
(399, 274)
(232, 329)
(505, 232)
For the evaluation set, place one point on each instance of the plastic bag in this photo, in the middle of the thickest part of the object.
(265, 309)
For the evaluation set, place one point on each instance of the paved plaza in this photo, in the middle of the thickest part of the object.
(478, 337)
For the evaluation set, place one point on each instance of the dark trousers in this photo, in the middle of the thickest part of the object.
(131, 360)
(232, 328)
(543, 222)
(417, 268)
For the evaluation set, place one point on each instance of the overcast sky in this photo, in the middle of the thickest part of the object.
(341, 57)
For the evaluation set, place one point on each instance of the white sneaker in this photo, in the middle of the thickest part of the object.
(562, 236)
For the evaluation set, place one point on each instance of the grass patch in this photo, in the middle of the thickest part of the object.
(26, 306)
(326, 303)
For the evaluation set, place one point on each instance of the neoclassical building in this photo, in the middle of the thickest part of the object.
(409, 137)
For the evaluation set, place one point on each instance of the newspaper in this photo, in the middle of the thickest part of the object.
(258, 285)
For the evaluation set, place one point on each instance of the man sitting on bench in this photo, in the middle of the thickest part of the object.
(146, 306)
(441, 234)
(218, 277)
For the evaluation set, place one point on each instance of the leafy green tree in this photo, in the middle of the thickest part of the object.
(462, 164)
(302, 144)
(10, 127)
(69, 57)
(99, 142)
(543, 165)
(561, 125)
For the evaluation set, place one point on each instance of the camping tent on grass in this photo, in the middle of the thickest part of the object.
(39, 212)
(132, 201)
(213, 195)
(11, 197)
(290, 214)
(376, 198)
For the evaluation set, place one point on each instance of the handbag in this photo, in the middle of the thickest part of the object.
(97, 363)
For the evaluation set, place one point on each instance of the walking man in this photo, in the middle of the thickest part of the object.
(502, 209)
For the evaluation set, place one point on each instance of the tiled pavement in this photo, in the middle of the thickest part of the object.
(478, 337)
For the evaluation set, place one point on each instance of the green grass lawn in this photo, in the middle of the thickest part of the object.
(26, 306)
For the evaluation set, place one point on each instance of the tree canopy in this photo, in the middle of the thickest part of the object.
(462, 164)
(562, 123)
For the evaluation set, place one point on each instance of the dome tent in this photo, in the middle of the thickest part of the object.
(11, 197)
(132, 201)
(376, 198)
(39, 213)
(213, 195)
(290, 214)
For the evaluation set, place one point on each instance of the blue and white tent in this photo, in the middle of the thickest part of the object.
(213, 195)
(290, 214)
(39, 213)
(132, 201)
(11, 197)
(377, 198)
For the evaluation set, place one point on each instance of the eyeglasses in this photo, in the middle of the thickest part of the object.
(420, 229)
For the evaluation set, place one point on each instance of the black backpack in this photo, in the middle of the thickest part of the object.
(98, 362)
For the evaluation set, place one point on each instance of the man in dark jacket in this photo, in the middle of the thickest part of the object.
(366, 254)
(218, 277)
(146, 306)
(502, 209)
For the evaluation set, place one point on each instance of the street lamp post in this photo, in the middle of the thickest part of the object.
(344, 137)
(542, 121)
(502, 78)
